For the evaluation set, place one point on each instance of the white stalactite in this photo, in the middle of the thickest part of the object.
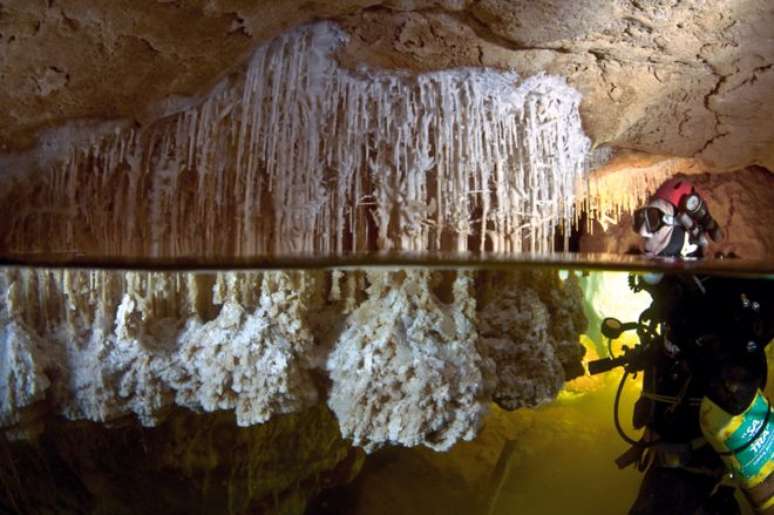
(302, 156)
(295, 156)
(412, 357)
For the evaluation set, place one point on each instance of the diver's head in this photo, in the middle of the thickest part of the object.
(674, 221)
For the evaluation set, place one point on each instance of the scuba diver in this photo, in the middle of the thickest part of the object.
(701, 351)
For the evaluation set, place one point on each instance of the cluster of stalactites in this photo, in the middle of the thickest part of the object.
(300, 156)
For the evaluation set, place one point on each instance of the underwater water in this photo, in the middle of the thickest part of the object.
(558, 459)
(141, 406)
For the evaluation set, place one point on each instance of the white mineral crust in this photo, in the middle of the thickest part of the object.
(22, 357)
(299, 155)
(405, 369)
(251, 361)
(108, 345)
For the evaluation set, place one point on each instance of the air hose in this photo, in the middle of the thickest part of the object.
(617, 420)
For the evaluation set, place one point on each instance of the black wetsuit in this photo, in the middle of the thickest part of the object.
(716, 331)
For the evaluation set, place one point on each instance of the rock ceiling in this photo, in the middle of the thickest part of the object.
(682, 78)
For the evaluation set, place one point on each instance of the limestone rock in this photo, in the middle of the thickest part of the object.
(515, 333)
(687, 78)
(22, 375)
(254, 362)
(682, 79)
(406, 370)
(108, 345)
(409, 357)
(529, 327)
(248, 172)
(564, 301)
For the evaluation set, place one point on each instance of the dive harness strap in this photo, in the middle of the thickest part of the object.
(663, 454)
(667, 454)
(670, 399)
(632, 455)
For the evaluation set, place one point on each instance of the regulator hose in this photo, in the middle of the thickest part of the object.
(617, 421)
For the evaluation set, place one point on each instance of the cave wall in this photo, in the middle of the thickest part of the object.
(299, 156)
(672, 80)
(676, 78)
(691, 79)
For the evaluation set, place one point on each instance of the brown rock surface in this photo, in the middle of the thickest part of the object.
(679, 78)
(529, 326)
(125, 59)
(190, 464)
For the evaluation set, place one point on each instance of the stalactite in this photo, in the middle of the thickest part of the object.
(300, 156)
(118, 343)
(295, 156)
(529, 324)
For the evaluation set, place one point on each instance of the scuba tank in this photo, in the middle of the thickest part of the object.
(745, 442)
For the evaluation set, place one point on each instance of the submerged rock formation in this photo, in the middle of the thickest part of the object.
(531, 334)
(411, 357)
(406, 368)
(190, 463)
(688, 78)
(112, 344)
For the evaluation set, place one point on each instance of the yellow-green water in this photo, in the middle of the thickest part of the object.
(562, 462)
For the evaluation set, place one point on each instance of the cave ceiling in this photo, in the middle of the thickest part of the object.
(682, 78)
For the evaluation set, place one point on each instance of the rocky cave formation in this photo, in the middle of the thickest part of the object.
(400, 357)
(191, 82)
(224, 129)
(689, 78)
